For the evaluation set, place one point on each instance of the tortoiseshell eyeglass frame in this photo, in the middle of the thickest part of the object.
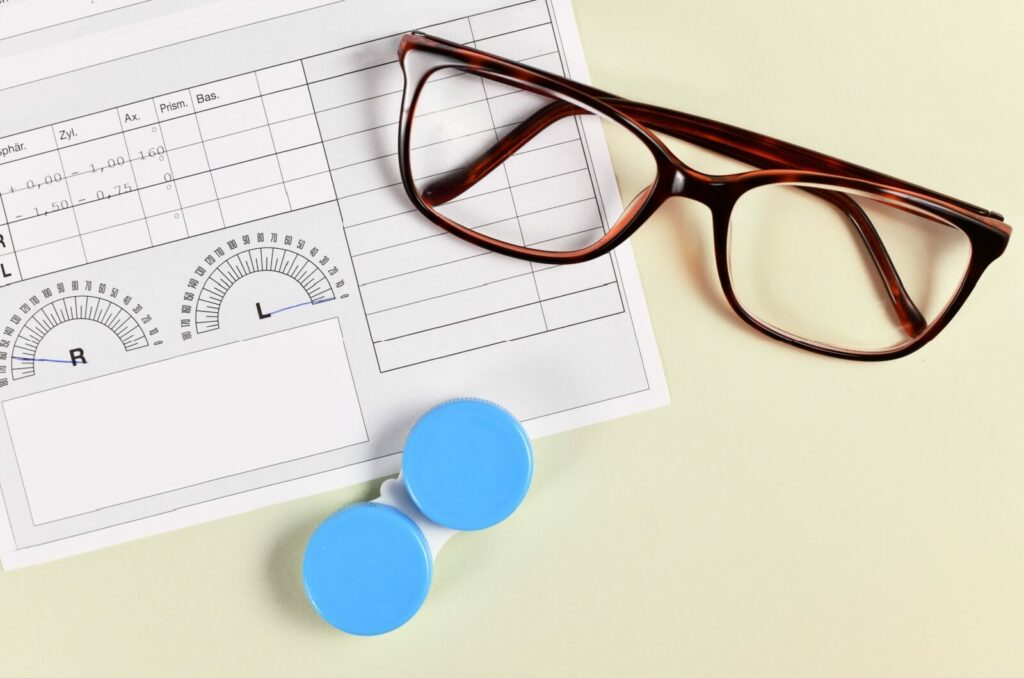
(421, 55)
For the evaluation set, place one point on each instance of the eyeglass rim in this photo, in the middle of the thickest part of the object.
(421, 55)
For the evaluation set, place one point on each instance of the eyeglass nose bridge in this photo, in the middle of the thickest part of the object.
(686, 182)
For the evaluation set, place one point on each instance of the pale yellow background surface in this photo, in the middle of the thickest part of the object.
(788, 515)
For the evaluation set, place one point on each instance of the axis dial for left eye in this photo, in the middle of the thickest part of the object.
(256, 277)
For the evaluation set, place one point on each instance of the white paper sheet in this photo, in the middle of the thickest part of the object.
(18, 17)
(149, 202)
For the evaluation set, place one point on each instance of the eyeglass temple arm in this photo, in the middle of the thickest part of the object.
(763, 151)
(455, 183)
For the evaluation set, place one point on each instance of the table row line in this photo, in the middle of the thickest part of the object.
(369, 192)
(413, 309)
(78, 177)
(507, 325)
(352, 134)
(277, 95)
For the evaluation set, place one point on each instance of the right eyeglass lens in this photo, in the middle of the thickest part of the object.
(515, 164)
(799, 260)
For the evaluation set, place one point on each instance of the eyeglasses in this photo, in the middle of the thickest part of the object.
(816, 252)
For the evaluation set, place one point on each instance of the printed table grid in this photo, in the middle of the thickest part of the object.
(318, 130)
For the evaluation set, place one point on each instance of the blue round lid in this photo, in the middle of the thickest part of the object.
(367, 569)
(467, 464)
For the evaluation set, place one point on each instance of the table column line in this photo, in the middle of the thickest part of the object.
(209, 168)
(508, 182)
(71, 201)
(170, 167)
(270, 131)
(135, 178)
(337, 203)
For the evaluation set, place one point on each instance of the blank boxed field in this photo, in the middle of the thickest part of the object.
(350, 59)
(159, 199)
(281, 77)
(171, 435)
(367, 176)
(421, 254)
(195, 190)
(40, 230)
(512, 18)
(439, 280)
(383, 202)
(239, 147)
(203, 218)
(310, 190)
(545, 162)
(582, 306)
(476, 302)
(558, 281)
(295, 133)
(231, 119)
(357, 86)
(357, 117)
(302, 162)
(167, 227)
(391, 231)
(522, 44)
(292, 103)
(475, 211)
(547, 193)
(51, 257)
(181, 132)
(463, 336)
(451, 124)
(375, 143)
(117, 240)
(246, 176)
(254, 205)
(555, 222)
(188, 161)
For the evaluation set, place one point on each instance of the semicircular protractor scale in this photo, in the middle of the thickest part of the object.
(42, 314)
(223, 270)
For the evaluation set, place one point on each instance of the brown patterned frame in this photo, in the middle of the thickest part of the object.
(421, 55)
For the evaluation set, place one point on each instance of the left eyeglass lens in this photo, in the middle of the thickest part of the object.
(800, 260)
(513, 163)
